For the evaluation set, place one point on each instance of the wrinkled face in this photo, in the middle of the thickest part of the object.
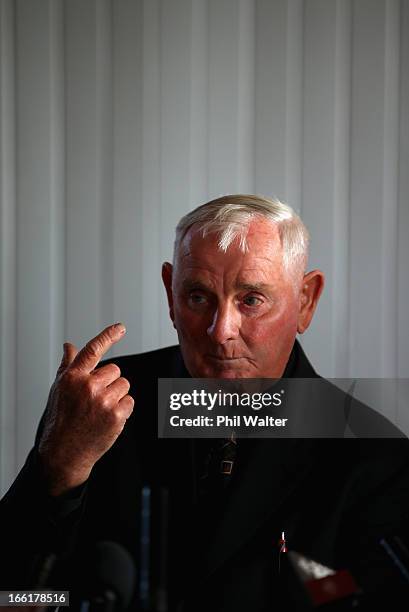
(236, 314)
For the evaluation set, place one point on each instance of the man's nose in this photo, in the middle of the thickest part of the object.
(225, 325)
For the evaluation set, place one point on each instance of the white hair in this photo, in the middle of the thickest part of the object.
(230, 217)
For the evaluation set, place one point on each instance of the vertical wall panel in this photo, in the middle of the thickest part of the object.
(129, 302)
(403, 199)
(246, 98)
(198, 105)
(271, 99)
(232, 99)
(325, 155)
(318, 158)
(294, 102)
(57, 186)
(83, 173)
(389, 308)
(104, 143)
(369, 237)
(175, 136)
(8, 267)
(36, 213)
(342, 142)
(224, 19)
(151, 176)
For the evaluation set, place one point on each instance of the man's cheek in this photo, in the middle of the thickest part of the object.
(193, 325)
(258, 334)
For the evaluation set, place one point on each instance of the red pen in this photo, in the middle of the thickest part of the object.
(282, 543)
(283, 549)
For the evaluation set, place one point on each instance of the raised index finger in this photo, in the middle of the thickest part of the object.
(90, 355)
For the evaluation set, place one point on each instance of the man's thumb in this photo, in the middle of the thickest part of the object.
(68, 356)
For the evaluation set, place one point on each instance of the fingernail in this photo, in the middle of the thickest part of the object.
(120, 327)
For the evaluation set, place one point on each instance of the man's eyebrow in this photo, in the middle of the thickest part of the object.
(189, 284)
(253, 286)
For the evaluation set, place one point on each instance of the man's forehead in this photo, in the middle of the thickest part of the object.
(246, 268)
(258, 274)
(262, 240)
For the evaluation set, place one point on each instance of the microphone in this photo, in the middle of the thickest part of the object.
(41, 570)
(108, 579)
(384, 583)
(313, 585)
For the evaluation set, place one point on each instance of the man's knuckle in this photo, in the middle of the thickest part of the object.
(125, 383)
(105, 403)
(91, 386)
(116, 417)
(67, 376)
(115, 370)
(127, 404)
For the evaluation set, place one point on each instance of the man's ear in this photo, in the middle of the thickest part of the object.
(312, 286)
(167, 270)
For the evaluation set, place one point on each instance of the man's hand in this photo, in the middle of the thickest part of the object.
(86, 411)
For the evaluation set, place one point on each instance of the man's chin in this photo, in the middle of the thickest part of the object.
(211, 367)
(226, 373)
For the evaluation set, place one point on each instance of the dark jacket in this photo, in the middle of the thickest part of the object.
(333, 498)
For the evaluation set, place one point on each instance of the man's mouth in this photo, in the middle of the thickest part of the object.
(224, 359)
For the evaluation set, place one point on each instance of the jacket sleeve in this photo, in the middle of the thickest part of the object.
(36, 527)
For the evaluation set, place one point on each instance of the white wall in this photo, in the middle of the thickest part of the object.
(118, 116)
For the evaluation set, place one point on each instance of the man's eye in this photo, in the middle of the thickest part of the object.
(197, 298)
(252, 300)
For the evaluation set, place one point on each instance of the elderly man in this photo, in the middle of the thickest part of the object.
(238, 293)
